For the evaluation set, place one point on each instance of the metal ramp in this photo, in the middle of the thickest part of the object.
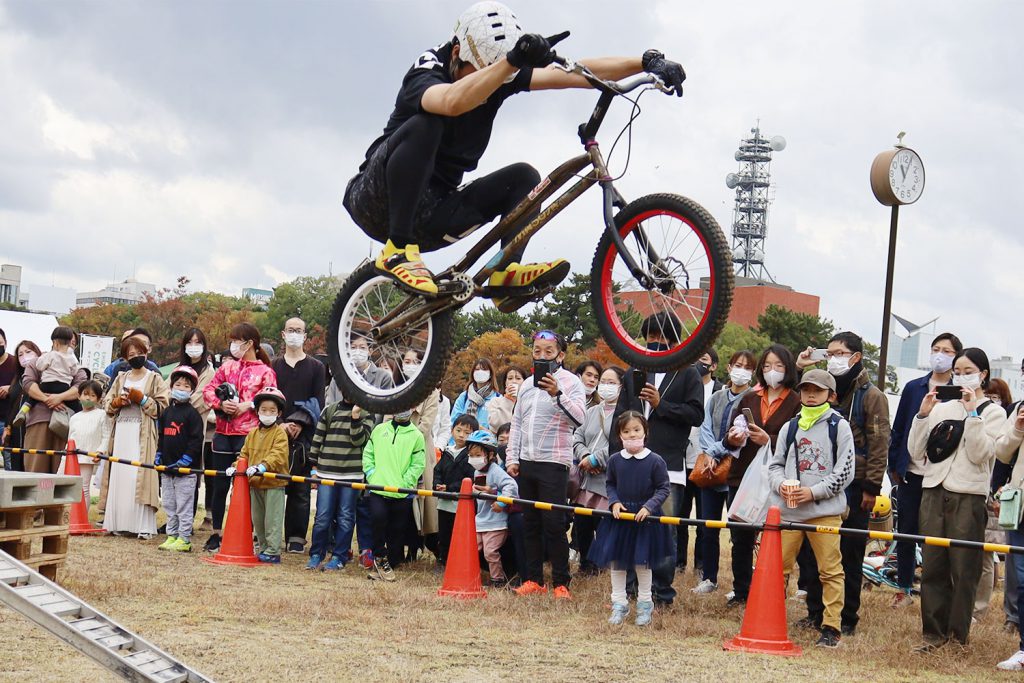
(76, 623)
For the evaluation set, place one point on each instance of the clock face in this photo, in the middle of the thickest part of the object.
(906, 176)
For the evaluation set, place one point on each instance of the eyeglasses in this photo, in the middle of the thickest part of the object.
(838, 354)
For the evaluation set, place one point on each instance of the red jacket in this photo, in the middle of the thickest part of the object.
(249, 377)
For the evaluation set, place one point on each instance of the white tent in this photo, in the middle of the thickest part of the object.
(35, 327)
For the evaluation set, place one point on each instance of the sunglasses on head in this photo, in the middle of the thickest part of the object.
(547, 335)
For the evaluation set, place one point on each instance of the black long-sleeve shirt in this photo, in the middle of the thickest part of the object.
(180, 433)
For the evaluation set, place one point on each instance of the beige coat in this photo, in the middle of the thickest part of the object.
(425, 509)
(147, 488)
(499, 412)
(969, 469)
(1010, 443)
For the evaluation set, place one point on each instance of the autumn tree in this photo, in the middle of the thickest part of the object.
(503, 348)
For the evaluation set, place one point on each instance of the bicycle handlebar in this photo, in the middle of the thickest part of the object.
(622, 87)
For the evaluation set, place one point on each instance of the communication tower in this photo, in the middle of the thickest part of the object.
(750, 216)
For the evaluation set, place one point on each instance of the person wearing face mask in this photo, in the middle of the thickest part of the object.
(303, 381)
(589, 372)
(179, 444)
(903, 471)
(955, 488)
(424, 530)
(87, 429)
(673, 404)
(590, 455)
(25, 354)
(394, 456)
(491, 517)
(772, 404)
(481, 389)
(718, 415)
(134, 402)
(249, 372)
(499, 409)
(867, 410)
(119, 365)
(8, 371)
(194, 353)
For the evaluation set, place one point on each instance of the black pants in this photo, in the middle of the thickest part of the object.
(445, 524)
(585, 530)
(204, 461)
(684, 500)
(389, 517)
(742, 555)
(225, 452)
(395, 197)
(852, 549)
(513, 553)
(545, 482)
(296, 512)
(908, 523)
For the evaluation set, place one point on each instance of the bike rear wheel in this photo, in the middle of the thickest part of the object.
(691, 277)
(364, 299)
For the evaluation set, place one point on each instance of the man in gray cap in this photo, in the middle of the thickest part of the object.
(812, 466)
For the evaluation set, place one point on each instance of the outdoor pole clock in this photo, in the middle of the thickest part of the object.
(897, 175)
(897, 178)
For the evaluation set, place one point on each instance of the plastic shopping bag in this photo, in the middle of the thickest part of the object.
(754, 493)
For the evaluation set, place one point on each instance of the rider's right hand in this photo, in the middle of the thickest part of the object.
(670, 72)
(534, 50)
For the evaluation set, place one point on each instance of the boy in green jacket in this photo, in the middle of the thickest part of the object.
(394, 456)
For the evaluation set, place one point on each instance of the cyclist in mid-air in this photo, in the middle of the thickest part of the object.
(409, 193)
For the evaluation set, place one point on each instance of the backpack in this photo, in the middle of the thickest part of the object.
(945, 437)
(833, 435)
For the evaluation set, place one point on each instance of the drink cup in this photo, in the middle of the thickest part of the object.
(789, 486)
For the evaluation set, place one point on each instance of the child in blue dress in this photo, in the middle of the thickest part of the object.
(637, 483)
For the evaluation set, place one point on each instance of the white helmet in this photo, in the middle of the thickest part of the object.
(486, 32)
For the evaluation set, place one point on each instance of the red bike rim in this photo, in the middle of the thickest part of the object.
(608, 297)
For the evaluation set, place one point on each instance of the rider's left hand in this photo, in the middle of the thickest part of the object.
(534, 50)
(670, 72)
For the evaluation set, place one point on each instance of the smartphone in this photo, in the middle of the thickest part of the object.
(639, 381)
(541, 369)
(749, 415)
(818, 354)
(948, 392)
(480, 479)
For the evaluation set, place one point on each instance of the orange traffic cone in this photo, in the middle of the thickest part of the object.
(462, 573)
(236, 547)
(764, 621)
(80, 523)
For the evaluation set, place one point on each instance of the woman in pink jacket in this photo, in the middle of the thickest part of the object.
(230, 395)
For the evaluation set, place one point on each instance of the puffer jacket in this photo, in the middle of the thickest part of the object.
(249, 377)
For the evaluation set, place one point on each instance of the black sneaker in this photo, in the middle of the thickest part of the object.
(296, 548)
(809, 624)
(735, 602)
(849, 630)
(829, 638)
(212, 543)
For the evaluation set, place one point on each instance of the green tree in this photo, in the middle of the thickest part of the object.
(474, 324)
(568, 311)
(794, 330)
(871, 356)
(735, 337)
(307, 297)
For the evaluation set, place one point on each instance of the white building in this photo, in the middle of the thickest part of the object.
(10, 284)
(1008, 370)
(128, 292)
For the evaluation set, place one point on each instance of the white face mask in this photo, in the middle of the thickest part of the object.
(477, 463)
(941, 362)
(359, 357)
(193, 351)
(839, 365)
(481, 376)
(236, 349)
(971, 381)
(740, 377)
(410, 370)
(294, 339)
(774, 378)
(268, 420)
(608, 392)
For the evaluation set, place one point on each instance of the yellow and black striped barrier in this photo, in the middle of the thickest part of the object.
(589, 512)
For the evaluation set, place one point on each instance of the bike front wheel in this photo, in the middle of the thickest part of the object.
(366, 300)
(684, 268)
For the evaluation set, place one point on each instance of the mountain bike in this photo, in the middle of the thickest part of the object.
(659, 253)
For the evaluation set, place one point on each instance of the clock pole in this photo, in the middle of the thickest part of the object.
(887, 312)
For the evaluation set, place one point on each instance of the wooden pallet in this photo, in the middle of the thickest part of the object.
(37, 536)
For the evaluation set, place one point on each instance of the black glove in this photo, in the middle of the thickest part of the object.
(670, 72)
(534, 50)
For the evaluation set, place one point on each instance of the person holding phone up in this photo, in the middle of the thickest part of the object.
(551, 405)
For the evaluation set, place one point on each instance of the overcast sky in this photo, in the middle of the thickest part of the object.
(214, 139)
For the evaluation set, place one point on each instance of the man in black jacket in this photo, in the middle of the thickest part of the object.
(673, 403)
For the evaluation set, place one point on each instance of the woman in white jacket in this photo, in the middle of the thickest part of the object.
(1010, 445)
(953, 499)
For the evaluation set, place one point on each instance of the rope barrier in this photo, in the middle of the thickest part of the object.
(583, 511)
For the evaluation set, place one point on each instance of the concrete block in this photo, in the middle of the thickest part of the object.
(28, 489)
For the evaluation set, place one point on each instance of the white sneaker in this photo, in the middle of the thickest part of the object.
(1014, 663)
(799, 595)
(730, 595)
(705, 587)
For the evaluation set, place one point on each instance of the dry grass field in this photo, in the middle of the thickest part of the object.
(278, 623)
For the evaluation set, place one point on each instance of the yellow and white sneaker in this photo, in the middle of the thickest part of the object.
(406, 267)
(518, 276)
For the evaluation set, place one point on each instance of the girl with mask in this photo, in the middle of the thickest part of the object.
(87, 429)
(194, 353)
(247, 373)
(481, 389)
(718, 417)
(135, 401)
(637, 484)
(590, 455)
(25, 355)
(954, 492)
(499, 410)
(772, 404)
